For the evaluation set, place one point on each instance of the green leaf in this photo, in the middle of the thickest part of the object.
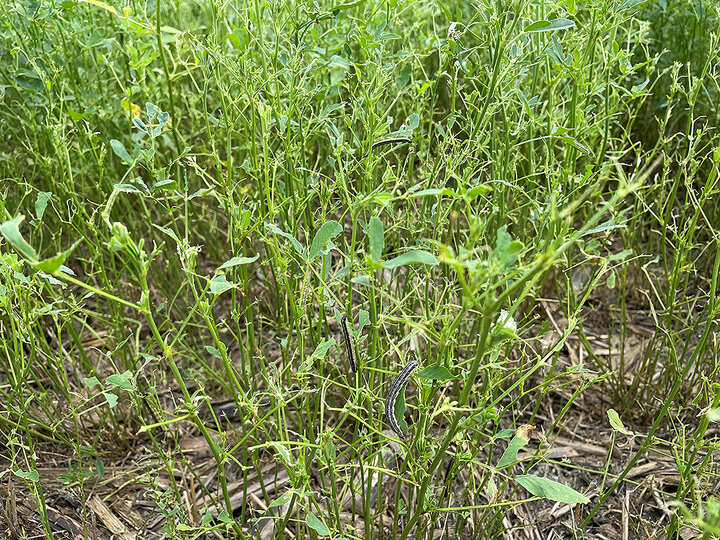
(33, 476)
(506, 249)
(318, 526)
(577, 144)
(151, 110)
(327, 232)
(616, 423)
(433, 192)
(119, 149)
(322, 349)
(11, 231)
(163, 118)
(346, 5)
(550, 26)
(272, 228)
(53, 264)
(224, 517)
(111, 398)
(549, 489)
(503, 241)
(220, 284)
(282, 499)
(235, 261)
(377, 239)
(127, 188)
(122, 380)
(284, 454)
(436, 373)
(476, 191)
(41, 203)
(363, 319)
(416, 256)
(92, 381)
(510, 454)
(212, 350)
(413, 121)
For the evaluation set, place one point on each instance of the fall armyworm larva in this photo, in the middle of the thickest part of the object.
(349, 343)
(391, 140)
(394, 392)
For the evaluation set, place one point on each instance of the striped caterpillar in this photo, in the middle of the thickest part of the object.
(349, 343)
(394, 391)
(391, 140)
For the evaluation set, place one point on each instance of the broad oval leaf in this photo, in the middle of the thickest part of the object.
(416, 256)
(92, 381)
(550, 489)
(52, 264)
(377, 238)
(327, 232)
(120, 151)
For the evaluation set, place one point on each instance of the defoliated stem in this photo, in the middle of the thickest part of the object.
(452, 429)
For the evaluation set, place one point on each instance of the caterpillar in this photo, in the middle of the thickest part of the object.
(349, 343)
(395, 389)
(391, 140)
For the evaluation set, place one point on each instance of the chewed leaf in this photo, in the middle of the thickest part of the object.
(41, 203)
(122, 380)
(283, 499)
(111, 399)
(220, 284)
(518, 442)
(33, 476)
(550, 489)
